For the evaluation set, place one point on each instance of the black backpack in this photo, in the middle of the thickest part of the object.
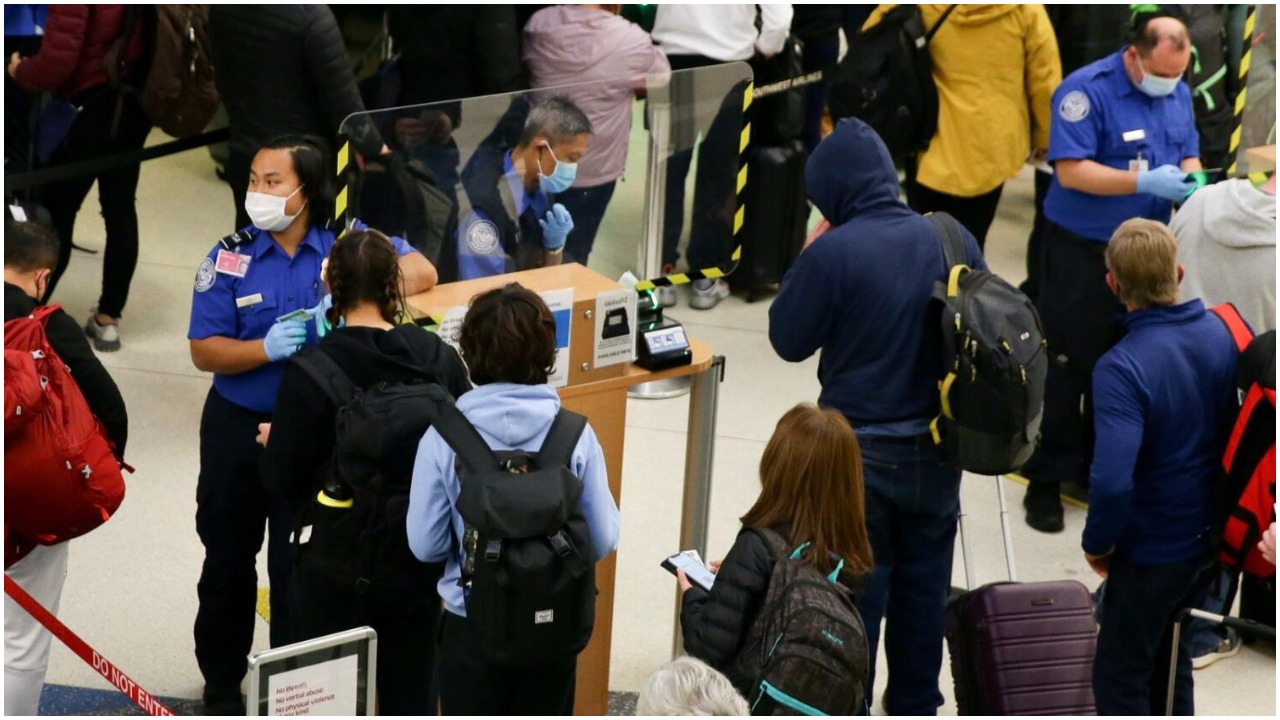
(807, 650)
(355, 529)
(994, 355)
(403, 198)
(528, 568)
(886, 80)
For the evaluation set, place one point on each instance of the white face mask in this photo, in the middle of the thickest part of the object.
(267, 211)
(1154, 85)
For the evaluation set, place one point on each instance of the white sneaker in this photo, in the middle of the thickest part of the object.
(106, 338)
(667, 295)
(708, 293)
(1229, 646)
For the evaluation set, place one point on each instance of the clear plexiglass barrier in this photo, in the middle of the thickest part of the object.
(471, 182)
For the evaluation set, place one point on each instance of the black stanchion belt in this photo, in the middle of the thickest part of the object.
(58, 173)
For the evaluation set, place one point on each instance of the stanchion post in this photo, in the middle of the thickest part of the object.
(700, 448)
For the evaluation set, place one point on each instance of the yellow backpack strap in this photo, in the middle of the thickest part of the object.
(946, 392)
(953, 282)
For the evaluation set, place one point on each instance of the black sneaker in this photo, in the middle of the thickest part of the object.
(223, 700)
(1044, 508)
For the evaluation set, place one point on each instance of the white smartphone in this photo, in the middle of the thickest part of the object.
(691, 564)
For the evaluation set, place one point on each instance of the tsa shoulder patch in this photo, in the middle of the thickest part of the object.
(205, 275)
(1074, 106)
(482, 237)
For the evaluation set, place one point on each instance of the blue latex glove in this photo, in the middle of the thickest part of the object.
(321, 315)
(556, 227)
(1167, 181)
(284, 339)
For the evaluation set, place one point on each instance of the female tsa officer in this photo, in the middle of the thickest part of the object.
(247, 284)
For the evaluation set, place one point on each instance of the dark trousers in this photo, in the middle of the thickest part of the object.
(711, 222)
(232, 509)
(19, 109)
(975, 213)
(587, 205)
(912, 501)
(819, 52)
(1080, 316)
(1131, 668)
(400, 604)
(90, 137)
(238, 162)
(1031, 286)
(470, 686)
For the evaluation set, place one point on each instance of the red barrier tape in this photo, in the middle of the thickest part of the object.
(113, 675)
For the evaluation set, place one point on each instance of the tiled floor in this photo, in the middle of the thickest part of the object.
(131, 589)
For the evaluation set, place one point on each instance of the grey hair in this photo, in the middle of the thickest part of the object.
(688, 686)
(556, 119)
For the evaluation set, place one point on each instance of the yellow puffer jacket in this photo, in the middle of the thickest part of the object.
(996, 67)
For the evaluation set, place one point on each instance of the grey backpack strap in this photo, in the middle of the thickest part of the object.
(948, 231)
(328, 374)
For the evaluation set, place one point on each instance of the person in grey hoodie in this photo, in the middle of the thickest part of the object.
(607, 57)
(508, 343)
(1227, 242)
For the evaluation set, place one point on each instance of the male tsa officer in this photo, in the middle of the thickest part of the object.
(240, 330)
(508, 219)
(1122, 140)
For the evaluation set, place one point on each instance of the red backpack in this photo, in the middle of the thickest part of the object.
(1250, 458)
(61, 478)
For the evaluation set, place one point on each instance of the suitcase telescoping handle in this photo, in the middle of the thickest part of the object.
(1005, 532)
(1239, 624)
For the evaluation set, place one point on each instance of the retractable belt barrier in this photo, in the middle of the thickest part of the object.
(58, 173)
(104, 667)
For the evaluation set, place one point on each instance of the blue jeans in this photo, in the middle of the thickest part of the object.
(913, 500)
(586, 205)
(1205, 636)
(1131, 669)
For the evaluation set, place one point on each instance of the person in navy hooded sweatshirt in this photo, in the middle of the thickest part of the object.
(860, 293)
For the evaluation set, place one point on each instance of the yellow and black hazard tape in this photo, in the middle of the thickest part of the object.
(684, 278)
(340, 201)
(1242, 98)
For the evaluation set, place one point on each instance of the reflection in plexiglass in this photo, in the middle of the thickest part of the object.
(475, 183)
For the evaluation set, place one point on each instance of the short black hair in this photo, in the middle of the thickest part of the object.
(509, 336)
(314, 168)
(556, 118)
(1145, 38)
(29, 246)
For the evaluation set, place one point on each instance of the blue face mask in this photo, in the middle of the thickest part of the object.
(1156, 86)
(560, 179)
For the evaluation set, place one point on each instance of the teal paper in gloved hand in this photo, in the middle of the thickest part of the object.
(1167, 181)
(321, 314)
(284, 339)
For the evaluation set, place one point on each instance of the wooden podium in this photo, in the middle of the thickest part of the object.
(601, 395)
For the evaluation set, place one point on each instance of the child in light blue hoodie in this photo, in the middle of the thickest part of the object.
(508, 343)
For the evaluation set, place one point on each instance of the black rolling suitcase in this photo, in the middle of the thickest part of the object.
(776, 217)
(1021, 648)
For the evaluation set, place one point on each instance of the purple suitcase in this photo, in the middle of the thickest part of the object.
(1021, 648)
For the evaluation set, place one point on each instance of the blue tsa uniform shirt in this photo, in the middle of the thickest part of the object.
(501, 216)
(1100, 115)
(245, 283)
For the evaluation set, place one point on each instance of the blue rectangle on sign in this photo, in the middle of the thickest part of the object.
(562, 327)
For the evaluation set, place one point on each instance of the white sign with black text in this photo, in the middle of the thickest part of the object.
(615, 338)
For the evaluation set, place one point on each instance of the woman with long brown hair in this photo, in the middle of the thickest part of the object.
(811, 495)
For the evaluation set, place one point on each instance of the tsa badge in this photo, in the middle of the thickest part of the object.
(205, 275)
(482, 237)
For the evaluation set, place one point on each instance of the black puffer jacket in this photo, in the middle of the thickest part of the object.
(283, 70)
(717, 625)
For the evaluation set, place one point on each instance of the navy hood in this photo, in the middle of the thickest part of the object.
(851, 172)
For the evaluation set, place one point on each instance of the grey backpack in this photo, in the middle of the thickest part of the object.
(807, 650)
(995, 363)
